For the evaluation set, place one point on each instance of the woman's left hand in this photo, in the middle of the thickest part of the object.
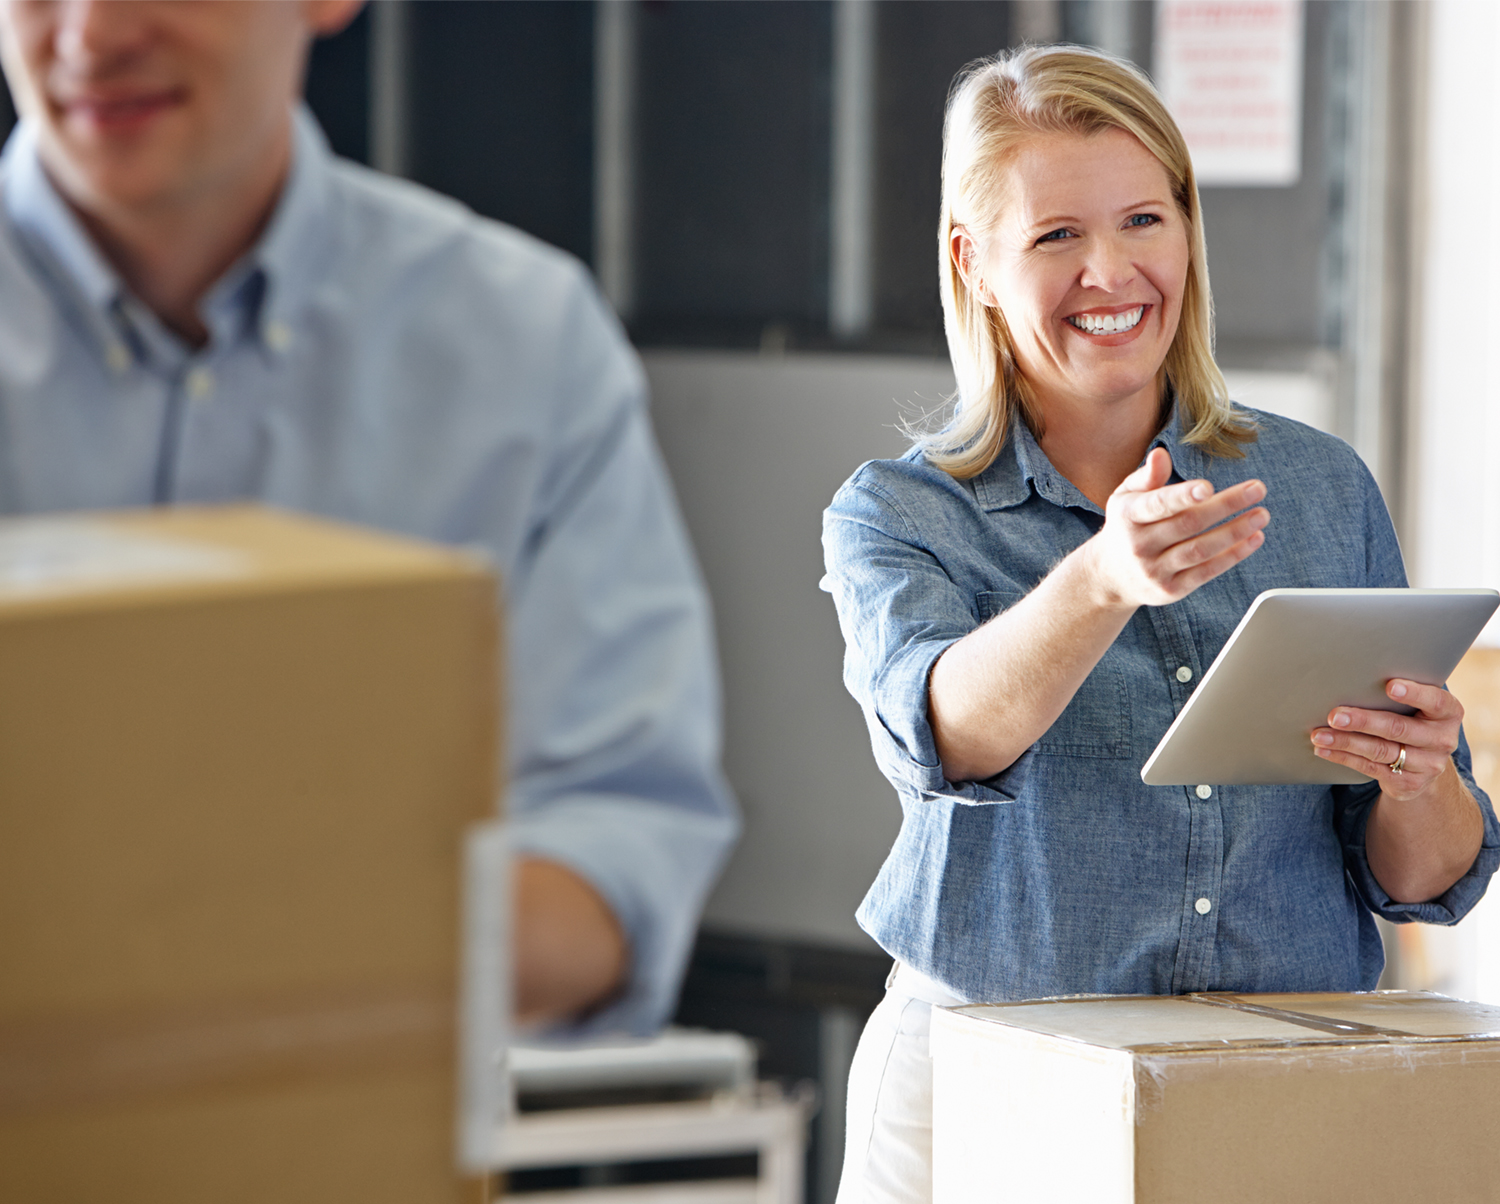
(1373, 741)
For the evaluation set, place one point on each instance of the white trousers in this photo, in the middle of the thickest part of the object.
(888, 1133)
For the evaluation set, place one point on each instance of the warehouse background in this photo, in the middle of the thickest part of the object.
(755, 186)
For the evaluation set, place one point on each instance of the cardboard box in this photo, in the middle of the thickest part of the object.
(1476, 683)
(239, 751)
(1381, 1097)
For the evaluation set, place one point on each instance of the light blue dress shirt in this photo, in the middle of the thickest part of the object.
(384, 356)
(1065, 873)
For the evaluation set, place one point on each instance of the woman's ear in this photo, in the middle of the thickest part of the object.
(965, 254)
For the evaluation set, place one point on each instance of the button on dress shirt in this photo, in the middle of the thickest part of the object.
(1066, 873)
(386, 357)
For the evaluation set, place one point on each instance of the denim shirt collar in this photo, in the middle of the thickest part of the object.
(1023, 467)
(258, 296)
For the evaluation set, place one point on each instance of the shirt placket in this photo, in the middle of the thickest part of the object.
(189, 381)
(1203, 874)
(192, 396)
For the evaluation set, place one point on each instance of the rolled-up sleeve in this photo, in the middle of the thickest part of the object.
(899, 611)
(1454, 903)
(615, 723)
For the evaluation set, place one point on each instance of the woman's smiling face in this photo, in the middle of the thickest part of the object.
(1087, 263)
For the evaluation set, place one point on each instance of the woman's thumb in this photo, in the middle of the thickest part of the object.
(1153, 474)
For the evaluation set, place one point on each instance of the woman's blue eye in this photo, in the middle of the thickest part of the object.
(1142, 219)
(1054, 236)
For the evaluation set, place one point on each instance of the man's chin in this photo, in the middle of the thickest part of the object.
(113, 177)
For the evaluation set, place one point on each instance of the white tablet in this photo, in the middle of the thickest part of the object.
(1296, 655)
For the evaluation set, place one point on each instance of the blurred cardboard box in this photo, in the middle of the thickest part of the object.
(1476, 684)
(1380, 1097)
(239, 751)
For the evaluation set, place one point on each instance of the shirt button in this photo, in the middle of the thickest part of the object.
(1204, 791)
(117, 356)
(1184, 674)
(1203, 907)
(200, 384)
(278, 336)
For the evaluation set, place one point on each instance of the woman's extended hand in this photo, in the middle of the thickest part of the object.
(1372, 741)
(1160, 542)
(995, 692)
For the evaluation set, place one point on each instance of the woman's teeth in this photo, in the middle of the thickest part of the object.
(1108, 323)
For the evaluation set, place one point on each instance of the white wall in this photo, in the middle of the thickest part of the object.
(1304, 396)
(757, 445)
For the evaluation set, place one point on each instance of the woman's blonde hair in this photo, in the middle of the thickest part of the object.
(994, 106)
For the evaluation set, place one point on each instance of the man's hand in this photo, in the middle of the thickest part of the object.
(570, 951)
(1160, 542)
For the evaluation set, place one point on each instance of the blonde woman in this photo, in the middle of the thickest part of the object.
(1030, 595)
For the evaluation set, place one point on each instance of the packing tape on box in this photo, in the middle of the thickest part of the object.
(1322, 1024)
(104, 1057)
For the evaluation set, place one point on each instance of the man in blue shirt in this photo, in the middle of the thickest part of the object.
(198, 303)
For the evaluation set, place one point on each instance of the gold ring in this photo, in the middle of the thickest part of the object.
(1399, 763)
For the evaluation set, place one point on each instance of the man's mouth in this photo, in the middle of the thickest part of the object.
(1108, 323)
(119, 110)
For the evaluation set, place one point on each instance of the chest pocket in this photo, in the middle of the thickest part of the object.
(1096, 723)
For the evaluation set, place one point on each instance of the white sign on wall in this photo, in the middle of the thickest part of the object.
(1231, 73)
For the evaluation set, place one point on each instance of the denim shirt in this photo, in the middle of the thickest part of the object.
(1065, 873)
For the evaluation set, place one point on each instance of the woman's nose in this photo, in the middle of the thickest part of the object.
(1108, 265)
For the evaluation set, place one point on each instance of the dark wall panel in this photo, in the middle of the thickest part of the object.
(7, 113)
(503, 112)
(922, 45)
(338, 88)
(732, 184)
(733, 140)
